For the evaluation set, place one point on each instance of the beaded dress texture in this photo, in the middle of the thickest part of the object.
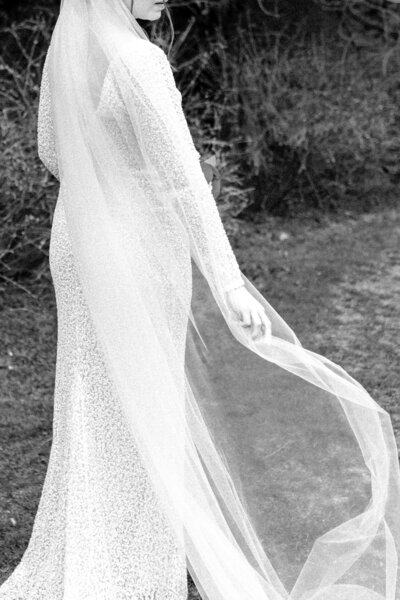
(99, 532)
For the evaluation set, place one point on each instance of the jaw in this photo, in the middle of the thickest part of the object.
(154, 15)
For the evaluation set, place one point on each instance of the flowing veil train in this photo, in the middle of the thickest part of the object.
(231, 431)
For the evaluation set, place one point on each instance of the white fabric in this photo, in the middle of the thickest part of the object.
(237, 438)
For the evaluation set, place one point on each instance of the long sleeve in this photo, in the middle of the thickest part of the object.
(46, 138)
(165, 137)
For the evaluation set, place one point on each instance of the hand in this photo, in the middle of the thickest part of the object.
(250, 312)
(212, 175)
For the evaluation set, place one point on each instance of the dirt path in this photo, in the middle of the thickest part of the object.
(337, 285)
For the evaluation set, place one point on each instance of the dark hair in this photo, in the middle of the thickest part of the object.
(171, 26)
(159, 33)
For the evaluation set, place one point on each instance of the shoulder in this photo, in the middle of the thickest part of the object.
(138, 53)
(137, 69)
(145, 63)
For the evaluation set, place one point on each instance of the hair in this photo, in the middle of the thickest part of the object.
(167, 13)
(158, 30)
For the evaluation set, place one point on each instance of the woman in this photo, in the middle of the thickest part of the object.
(191, 428)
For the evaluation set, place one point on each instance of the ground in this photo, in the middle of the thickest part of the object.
(336, 282)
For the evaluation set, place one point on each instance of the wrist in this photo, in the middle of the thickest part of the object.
(234, 287)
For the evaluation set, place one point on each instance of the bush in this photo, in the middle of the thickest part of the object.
(28, 191)
(312, 123)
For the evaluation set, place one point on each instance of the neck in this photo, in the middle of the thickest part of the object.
(139, 29)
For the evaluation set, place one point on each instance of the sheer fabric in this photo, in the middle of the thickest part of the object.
(228, 429)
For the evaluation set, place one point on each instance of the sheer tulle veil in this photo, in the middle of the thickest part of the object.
(277, 471)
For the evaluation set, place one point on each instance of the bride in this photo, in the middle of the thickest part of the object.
(192, 431)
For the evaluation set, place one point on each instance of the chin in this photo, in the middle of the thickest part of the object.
(154, 17)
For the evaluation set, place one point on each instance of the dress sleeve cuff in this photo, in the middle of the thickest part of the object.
(234, 285)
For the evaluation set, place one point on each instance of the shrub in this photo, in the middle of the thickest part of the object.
(28, 191)
(313, 123)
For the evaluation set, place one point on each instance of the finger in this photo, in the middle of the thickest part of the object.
(255, 324)
(265, 321)
(237, 315)
(266, 326)
(245, 320)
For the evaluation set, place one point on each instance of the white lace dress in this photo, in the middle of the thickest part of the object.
(99, 532)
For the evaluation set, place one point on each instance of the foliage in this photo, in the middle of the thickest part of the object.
(27, 189)
(314, 120)
(311, 120)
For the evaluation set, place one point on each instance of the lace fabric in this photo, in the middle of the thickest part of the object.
(99, 531)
